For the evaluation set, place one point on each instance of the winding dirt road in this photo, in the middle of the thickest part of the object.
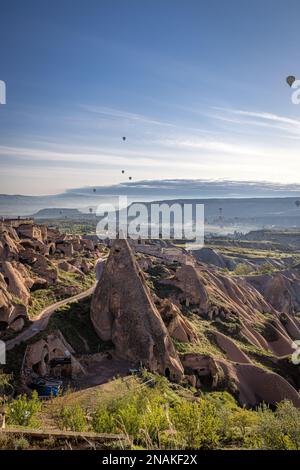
(40, 322)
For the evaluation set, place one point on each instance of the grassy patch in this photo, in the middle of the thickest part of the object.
(42, 298)
(73, 320)
(205, 343)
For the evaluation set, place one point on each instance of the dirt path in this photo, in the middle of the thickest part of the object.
(40, 322)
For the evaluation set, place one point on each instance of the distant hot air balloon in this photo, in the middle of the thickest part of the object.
(91, 210)
(123, 171)
(124, 138)
(94, 190)
(290, 80)
(297, 203)
(130, 178)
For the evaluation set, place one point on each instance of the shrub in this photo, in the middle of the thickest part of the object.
(242, 269)
(21, 444)
(140, 414)
(197, 424)
(279, 430)
(155, 421)
(103, 420)
(128, 418)
(5, 386)
(73, 418)
(22, 411)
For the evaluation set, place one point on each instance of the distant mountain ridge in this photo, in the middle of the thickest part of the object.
(56, 212)
(259, 204)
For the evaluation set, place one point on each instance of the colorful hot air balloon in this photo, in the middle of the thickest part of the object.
(290, 80)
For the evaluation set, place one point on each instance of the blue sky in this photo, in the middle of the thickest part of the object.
(198, 88)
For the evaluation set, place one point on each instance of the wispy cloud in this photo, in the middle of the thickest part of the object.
(124, 115)
(267, 116)
(288, 125)
(221, 147)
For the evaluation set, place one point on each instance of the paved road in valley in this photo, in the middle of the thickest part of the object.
(40, 322)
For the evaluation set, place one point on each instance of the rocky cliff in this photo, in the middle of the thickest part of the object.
(123, 311)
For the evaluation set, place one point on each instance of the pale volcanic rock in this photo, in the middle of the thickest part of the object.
(189, 280)
(17, 325)
(15, 282)
(9, 248)
(82, 264)
(66, 248)
(40, 265)
(257, 385)
(23, 271)
(281, 345)
(87, 244)
(253, 336)
(280, 289)
(9, 310)
(233, 352)
(69, 268)
(6, 307)
(251, 384)
(292, 326)
(209, 256)
(123, 311)
(38, 355)
(202, 365)
(219, 295)
(178, 327)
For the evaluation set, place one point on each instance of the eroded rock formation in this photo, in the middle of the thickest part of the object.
(252, 385)
(123, 311)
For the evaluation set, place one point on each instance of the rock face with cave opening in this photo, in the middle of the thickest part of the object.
(123, 312)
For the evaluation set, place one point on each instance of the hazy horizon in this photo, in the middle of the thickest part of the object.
(85, 198)
(180, 188)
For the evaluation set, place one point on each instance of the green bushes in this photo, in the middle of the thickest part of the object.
(22, 411)
(155, 414)
(214, 421)
(103, 420)
(5, 385)
(140, 414)
(158, 415)
(21, 444)
(73, 418)
(280, 429)
(197, 424)
(160, 418)
(242, 269)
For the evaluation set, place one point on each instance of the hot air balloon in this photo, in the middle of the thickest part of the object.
(290, 80)
(91, 210)
(123, 171)
(130, 178)
(124, 138)
(297, 203)
(94, 190)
